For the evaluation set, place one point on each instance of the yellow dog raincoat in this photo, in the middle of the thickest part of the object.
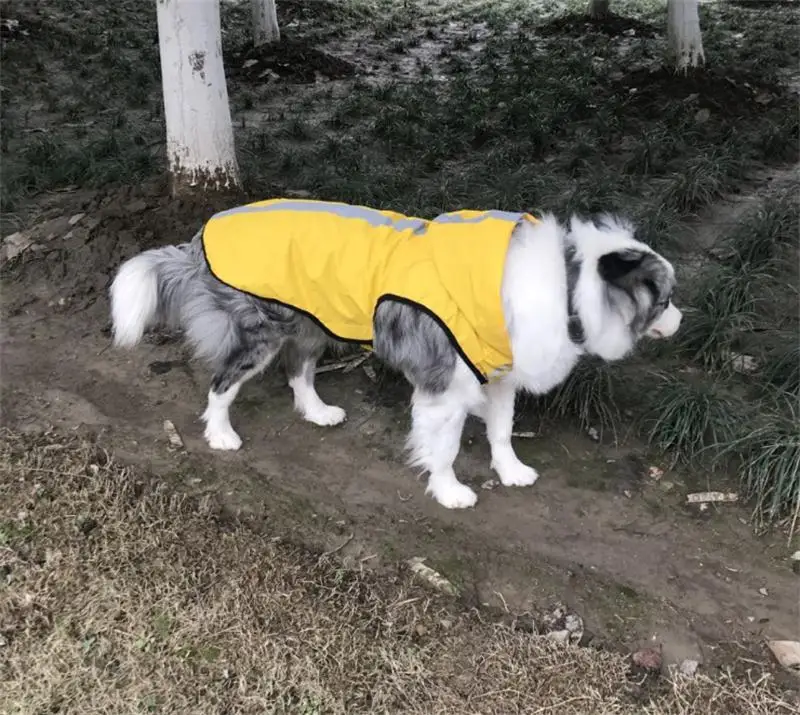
(336, 262)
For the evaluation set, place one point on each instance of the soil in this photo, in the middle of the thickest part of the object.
(724, 91)
(291, 60)
(596, 532)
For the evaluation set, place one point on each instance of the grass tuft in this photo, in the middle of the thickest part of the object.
(685, 418)
(701, 181)
(760, 239)
(724, 312)
(769, 455)
(781, 367)
(588, 394)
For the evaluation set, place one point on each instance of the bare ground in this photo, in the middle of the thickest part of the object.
(595, 532)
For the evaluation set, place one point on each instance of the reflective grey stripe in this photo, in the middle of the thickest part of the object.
(372, 216)
(500, 215)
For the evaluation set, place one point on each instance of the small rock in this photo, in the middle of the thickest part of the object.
(787, 653)
(763, 591)
(249, 63)
(15, 244)
(689, 667)
(647, 659)
(172, 434)
(490, 484)
(593, 434)
(666, 486)
(137, 206)
(702, 116)
(559, 636)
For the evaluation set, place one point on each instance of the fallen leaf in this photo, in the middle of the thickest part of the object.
(703, 497)
(655, 473)
(787, 653)
(172, 434)
(434, 578)
(369, 371)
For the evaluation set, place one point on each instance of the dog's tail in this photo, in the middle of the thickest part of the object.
(151, 288)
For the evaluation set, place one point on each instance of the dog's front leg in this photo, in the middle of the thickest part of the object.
(499, 417)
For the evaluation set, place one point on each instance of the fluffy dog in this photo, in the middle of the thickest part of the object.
(442, 304)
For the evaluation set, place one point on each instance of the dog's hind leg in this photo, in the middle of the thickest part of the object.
(244, 363)
(498, 414)
(300, 357)
(437, 422)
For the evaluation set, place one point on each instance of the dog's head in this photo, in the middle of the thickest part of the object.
(624, 291)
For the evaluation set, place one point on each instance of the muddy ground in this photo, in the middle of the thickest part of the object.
(596, 532)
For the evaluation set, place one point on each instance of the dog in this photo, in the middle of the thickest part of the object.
(471, 306)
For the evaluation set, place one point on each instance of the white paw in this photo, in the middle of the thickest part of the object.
(515, 473)
(225, 439)
(325, 415)
(453, 495)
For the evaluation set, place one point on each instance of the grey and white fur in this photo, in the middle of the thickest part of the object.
(568, 291)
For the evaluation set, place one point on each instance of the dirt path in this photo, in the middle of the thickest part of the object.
(594, 532)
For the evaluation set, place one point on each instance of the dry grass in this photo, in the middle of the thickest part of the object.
(118, 597)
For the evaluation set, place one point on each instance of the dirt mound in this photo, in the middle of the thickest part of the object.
(720, 90)
(613, 25)
(292, 60)
(81, 249)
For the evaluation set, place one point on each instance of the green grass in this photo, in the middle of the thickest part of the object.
(765, 234)
(589, 395)
(687, 417)
(724, 309)
(768, 453)
(486, 112)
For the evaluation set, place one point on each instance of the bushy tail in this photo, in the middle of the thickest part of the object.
(147, 290)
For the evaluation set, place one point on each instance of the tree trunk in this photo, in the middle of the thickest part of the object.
(683, 35)
(200, 149)
(598, 9)
(265, 22)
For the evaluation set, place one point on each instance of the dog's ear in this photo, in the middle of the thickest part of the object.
(616, 265)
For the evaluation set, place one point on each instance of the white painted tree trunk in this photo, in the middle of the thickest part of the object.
(597, 9)
(683, 34)
(200, 149)
(265, 22)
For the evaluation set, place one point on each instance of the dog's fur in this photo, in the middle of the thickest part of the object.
(616, 288)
